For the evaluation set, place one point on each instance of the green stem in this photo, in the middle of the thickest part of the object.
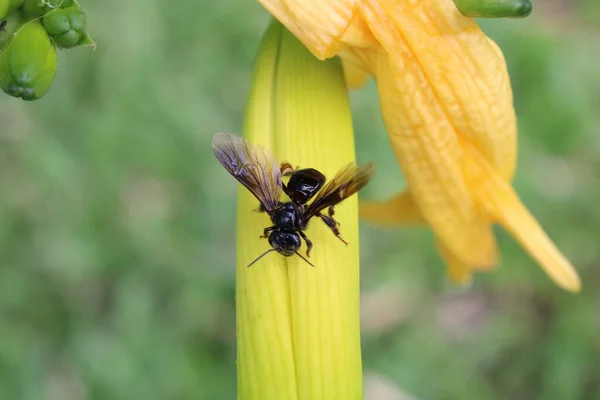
(494, 8)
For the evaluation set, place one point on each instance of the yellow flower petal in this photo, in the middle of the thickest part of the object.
(402, 210)
(466, 72)
(502, 203)
(458, 272)
(443, 85)
(426, 145)
(398, 211)
(355, 75)
(325, 27)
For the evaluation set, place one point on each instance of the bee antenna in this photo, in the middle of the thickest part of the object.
(261, 256)
(300, 255)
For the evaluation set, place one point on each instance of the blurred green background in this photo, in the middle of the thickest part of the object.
(117, 224)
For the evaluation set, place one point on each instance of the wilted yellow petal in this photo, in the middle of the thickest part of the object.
(402, 210)
(355, 75)
(502, 203)
(466, 72)
(325, 27)
(442, 85)
(458, 272)
(398, 211)
(426, 144)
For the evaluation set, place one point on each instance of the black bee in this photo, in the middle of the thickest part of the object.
(256, 168)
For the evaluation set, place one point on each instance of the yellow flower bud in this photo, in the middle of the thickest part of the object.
(298, 327)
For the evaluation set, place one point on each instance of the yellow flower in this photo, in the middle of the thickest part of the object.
(447, 104)
(298, 329)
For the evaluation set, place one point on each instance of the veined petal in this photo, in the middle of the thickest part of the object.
(466, 72)
(426, 144)
(325, 27)
(499, 199)
(403, 210)
(400, 210)
(458, 272)
(355, 75)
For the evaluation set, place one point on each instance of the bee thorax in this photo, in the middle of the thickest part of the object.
(287, 218)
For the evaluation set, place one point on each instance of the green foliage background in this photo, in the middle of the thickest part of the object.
(117, 224)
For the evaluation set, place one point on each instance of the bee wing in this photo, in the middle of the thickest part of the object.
(349, 180)
(253, 166)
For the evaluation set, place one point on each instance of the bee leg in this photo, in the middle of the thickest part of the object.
(308, 243)
(284, 188)
(333, 225)
(331, 213)
(266, 232)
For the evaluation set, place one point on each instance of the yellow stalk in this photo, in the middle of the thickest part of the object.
(298, 327)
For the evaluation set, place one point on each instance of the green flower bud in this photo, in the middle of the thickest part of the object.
(67, 27)
(8, 6)
(494, 8)
(29, 62)
(37, 8)
(11, 24)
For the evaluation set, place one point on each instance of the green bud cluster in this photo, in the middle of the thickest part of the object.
(30, 33)
(39, 8)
